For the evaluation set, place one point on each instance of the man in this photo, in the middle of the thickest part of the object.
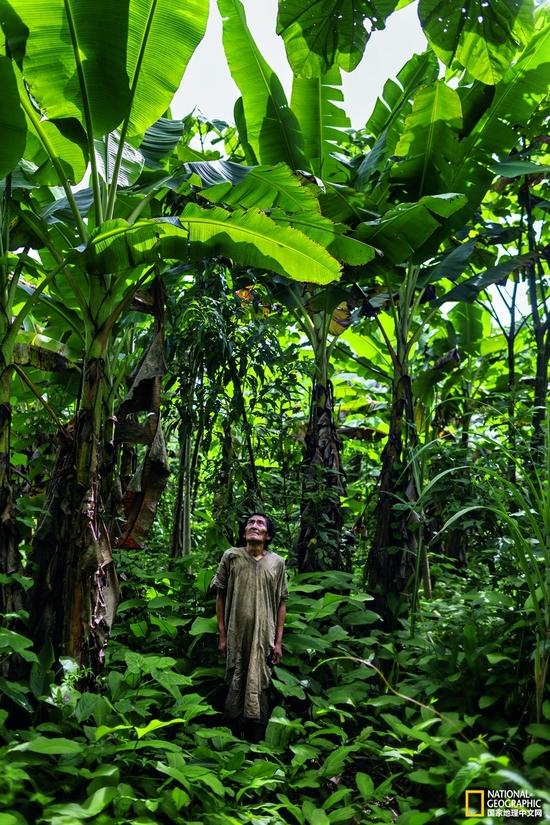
(250, 610)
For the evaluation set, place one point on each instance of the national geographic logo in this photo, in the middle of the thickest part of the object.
(502, 803)
(475, 803)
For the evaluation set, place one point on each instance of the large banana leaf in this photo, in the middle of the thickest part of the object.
(256, 187)
(242, 130)
(272, 130)
(385, 122)
(162, 36)
(319, 34)
(314, 102)
(330, 235)
(249, 238)
(428, 146)
(467, 320)
(15, 33)
(161, 139)
(516, 97)
(469, 289)
(451, 266)
(406, 227)
(132, 161)
(62, 144)
(343, 204)
(482, 37)
(61, 141)
(60, 212)
(13, 127)
(75, 59)
(252, 239)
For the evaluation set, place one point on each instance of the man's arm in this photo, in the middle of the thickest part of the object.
(220, 617)
(278, 646)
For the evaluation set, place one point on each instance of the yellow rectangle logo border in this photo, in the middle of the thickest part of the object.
(481, 803)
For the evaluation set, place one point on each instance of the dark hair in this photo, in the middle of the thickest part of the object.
(271, 530)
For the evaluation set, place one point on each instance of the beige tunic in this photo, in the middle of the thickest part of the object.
(253, 592)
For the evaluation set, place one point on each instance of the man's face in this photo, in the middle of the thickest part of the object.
(256, 529)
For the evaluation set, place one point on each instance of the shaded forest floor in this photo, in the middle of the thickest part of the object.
(367, 726)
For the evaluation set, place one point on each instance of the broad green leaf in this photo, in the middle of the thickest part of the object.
(428, 146)
(202, 625)
(156, 724)
(336, 760)
(467, 320)
(215, 172)
(451, 266)
(171, 681)
(12, 641)
(62, 140)
(242, 130)
(469, 290)
(534, 752)
(271, 127)
(106, 150)
(162, 36)
(104, 730)
(420, 69)
(75, 60)
(386, 121)
(16, 692)
(512, 168)
(313, 815)
(12, 119)
(93, 806)
(322, 121)
(319, 34)
(259, 187)
(539, 730)
(188, 775)
(484, 37)
(67, 148)
(344, 248)
(303, 753)
(161, 139)
(14, 31)
(59, 210)
(252, 239)
(487, 701)
(365, 785)
(54, 746)
(403, 229)
(147, 663)
(12, 819)
(516, 97)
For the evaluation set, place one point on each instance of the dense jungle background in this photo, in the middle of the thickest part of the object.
(346, 328)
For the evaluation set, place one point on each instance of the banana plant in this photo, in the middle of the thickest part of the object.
(100, 247)
(304, 134)
(441, 142)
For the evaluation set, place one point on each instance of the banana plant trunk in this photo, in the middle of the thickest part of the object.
(75, 594)
(390, 564)
(398, 558)
(11, 596)
(318, 543)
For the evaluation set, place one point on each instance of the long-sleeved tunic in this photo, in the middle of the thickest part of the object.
(253, 591)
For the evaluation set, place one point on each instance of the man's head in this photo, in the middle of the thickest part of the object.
(258, 527)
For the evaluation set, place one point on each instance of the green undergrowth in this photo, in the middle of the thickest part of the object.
(367, 726)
